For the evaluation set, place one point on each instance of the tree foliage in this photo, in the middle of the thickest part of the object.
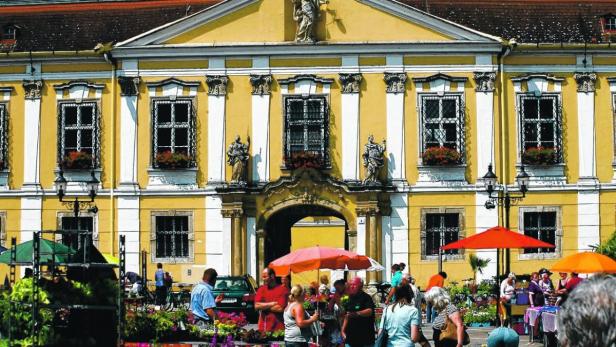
(608, 247)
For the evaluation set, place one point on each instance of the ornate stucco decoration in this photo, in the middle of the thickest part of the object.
(585, 81)
(129, 86)
(485, 81)
(238, 159)
(306, 14)
(33, 89)
(350, 82)
(217, 85)
(374, 159)
(261, 84)
(396, 82)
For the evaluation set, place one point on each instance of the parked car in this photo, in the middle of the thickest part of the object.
(239, 295)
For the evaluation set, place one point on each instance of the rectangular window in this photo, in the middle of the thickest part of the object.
(442, 122)
(540, 123)
(173, 135)
(441, 229)
(610, 23)
(172, 237)
(542, 226)
(4, 140)
(78, 135)
(306, 137)
(75, 238)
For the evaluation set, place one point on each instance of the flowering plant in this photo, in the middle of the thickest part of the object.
(77, 160)
(304, 159)
(232, 319)
(540, 156)
(173, 160)
(441, 156)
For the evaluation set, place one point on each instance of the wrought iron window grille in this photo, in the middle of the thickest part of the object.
(3, 138)
(442, 122)
(540, 128)
(172, 237)
(441, 225)
(306, 132)
(77, 225)
(173, 130)
(78, 131)
(542, 226)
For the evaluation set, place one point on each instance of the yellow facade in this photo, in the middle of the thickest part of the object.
(391, 214)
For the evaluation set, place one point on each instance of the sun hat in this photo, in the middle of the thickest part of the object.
(544, 270)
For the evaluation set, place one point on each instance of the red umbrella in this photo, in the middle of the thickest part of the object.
(497, 237)
(315, 258)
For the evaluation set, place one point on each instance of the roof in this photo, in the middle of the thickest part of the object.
(528, 21)
(80, 25)
(72, 27)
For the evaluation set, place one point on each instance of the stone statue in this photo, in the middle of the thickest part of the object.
(305, 13)
(238, 159)
(373, 160)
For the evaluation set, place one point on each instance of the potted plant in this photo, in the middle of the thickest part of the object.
(77, 160)
(441, 156)
(540, 156)
(173, 160)
(304, 160)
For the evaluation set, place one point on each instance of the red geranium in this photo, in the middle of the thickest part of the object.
(173, 160)
(78, 160)
(304, 159)
(441, 156)
(540, 156)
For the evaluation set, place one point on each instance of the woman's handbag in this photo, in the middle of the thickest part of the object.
(381, 339)
(450, 332)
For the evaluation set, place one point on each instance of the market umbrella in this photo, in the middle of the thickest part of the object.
(47, 248)
(319, 258)
(111, 259)
(586, 262)
(497, 237)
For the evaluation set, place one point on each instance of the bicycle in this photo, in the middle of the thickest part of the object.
(177, 299)
(382, 291)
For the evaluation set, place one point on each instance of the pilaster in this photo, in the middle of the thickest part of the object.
(129, 93)
(350, 123)
(261, 95)
(217, 92)
(32, 135)
(234, 212)
(396, 87)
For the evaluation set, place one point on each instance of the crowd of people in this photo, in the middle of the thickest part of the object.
(282, 307)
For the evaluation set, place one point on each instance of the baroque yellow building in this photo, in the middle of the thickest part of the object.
(306, 99)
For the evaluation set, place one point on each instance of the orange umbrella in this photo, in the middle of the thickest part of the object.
(315, 258)
(586, 262)
(497, 237)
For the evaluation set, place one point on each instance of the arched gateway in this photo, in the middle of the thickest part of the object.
(275, 207)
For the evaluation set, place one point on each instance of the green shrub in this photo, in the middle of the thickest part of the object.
(608, 247)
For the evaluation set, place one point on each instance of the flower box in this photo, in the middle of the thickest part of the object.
(540, 156)
(173, 160)
(304, 160)
(78, 160)
(441, 156)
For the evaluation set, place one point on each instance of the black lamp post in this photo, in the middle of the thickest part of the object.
(60, 185)
(504, 198)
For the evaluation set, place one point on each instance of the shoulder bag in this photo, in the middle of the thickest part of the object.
(381, 339)
(450, 332)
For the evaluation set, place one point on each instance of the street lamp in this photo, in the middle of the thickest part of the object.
(60, 185)
(504, 198)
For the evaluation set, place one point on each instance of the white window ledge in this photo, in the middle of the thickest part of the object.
(545, 175)
(446, 257)
(538, 256)
(177, 179)
(76, 180)
(433, 175)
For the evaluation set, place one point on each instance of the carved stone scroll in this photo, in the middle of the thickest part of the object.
(485, 81)
(217, 85)
(33, 89)
(129, 86)
(350, 82)
(585, 81)
(396, 82)
(261, 84)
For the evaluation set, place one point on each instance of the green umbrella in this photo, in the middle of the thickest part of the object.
(25, 250)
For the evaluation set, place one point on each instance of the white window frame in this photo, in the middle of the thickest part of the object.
(95, 128)
(557, 119)
(459, 120)
(3, 233)
(558, 234)
(190, 125)
(324, 125)
(191, 238)
(424, 230)
(609, 23)
(4, 134)
(94, 216)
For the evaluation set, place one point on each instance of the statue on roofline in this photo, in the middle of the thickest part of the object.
(306, 13)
